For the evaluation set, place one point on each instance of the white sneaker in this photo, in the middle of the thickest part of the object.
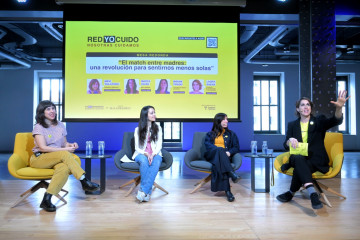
(147, 198)
(140, 196)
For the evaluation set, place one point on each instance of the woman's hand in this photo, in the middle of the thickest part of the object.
(41, 142)
(150, 158)
(69, 149)
(294, 142)
(340, 103)
(341, 99)
(72, 145)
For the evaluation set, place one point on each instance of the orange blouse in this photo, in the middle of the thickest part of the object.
(219, 141)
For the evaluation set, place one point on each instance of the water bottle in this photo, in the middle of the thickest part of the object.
(101, 148)
(264, 148)
(253, 147)
(89, 147)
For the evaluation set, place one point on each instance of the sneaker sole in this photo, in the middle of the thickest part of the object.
(317, 206)
(91, 190)
(48, 209)
(139, 198)
(281, 200)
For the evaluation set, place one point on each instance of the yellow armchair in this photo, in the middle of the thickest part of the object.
(19, 166)
(334, 148)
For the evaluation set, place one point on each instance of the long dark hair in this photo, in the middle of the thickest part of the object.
(159, 87)
(217, 129)
(40, 113)
(142, 127)
(128, 89)
(297, 104)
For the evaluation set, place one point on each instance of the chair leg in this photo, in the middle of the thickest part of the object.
(136, 182)
(61, 198)
(129, 182)
(160, 187)
(326, 200)
(201, 183)
(330, 190)
(33, 189)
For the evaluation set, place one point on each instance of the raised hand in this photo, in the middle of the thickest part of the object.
(341, 100)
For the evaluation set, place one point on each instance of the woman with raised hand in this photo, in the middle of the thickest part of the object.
(309, 130)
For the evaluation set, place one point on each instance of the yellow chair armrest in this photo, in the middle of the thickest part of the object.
(15, 163)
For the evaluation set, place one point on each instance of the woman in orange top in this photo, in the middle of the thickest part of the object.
(221, 144)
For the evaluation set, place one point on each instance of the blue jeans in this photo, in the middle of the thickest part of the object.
(148, 172)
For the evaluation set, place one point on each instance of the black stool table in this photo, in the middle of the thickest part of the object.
(267, 172)
(88, 160)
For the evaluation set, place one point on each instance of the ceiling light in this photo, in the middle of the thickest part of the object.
(287, 49)
(350, 50)
(21, 1)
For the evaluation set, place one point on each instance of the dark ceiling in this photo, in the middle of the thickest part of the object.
(264, 41)
(268, 38)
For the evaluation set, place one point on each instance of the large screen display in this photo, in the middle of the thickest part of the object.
(187, 70)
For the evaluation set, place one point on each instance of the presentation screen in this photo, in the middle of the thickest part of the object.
(188, 71)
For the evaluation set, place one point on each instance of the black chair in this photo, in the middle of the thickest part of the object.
(128, 148)
(194, 159)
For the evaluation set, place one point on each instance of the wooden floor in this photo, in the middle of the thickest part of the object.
(180, 215)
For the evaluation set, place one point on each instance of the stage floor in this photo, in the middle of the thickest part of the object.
(181, 215)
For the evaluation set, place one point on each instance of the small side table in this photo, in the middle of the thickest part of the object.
(88, 160)
(267, 172)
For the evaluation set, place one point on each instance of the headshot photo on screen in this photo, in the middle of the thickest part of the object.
(131, 86)
(94, 86)
(196, 86)
(163, 86)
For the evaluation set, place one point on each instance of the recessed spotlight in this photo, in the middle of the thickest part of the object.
(21, 1)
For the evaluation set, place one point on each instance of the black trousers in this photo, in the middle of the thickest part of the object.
(303, 170)
(221, 165)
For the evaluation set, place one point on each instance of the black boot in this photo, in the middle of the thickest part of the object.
(46, 203)
(285, 197)
(315, 202)
(230, 196)
(89, 186)
(234, 177)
